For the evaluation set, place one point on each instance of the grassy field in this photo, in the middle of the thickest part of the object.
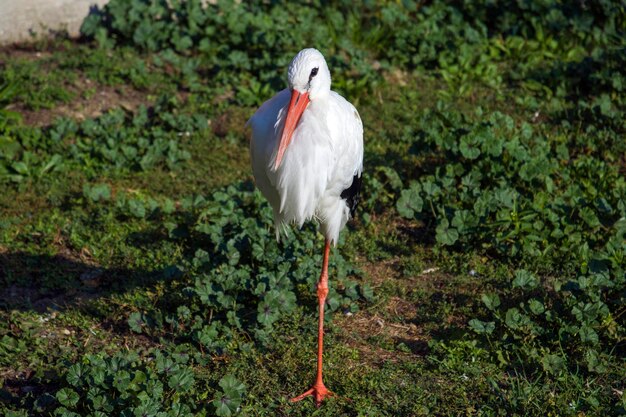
(484, 274)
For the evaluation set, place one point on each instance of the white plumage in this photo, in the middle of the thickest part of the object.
(307, 158)
(324, 153)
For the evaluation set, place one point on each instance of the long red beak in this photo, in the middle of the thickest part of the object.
(297, 105)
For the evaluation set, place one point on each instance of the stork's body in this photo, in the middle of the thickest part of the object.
(307, 158)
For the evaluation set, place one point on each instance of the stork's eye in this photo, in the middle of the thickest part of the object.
(313, 73)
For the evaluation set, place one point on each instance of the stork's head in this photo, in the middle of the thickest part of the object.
(308, 73)
(309, 79)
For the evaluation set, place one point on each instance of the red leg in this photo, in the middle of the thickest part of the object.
(319, 391)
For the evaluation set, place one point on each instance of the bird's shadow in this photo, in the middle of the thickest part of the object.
(43, 283)
(49, 284)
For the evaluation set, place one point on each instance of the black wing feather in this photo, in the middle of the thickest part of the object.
(352, 194)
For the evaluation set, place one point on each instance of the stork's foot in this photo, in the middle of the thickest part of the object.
(318, 392)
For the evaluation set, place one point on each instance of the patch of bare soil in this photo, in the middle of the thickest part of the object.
(379, 272)
(389, 333)
(378, 339)
(92, 100)
(26, 51)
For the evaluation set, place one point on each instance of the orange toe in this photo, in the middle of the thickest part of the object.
(319, 392)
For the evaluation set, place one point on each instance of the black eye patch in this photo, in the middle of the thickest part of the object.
(313, 73)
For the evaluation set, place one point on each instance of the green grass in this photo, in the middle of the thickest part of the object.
(484, 274)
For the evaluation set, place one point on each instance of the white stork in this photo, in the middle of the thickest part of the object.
(307, 159)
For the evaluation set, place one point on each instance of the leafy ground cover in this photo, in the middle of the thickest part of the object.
(484, 274)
